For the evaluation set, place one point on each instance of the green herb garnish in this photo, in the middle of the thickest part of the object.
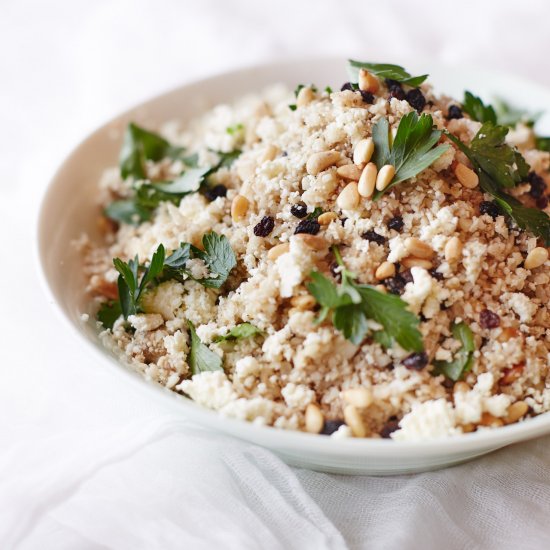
(352, 304)
(134, 279)
(474, 106)
(500, 167)
(141, 145)
(201, 357)
(385, 70)
(293, 106)
(413, 150)
(108, 313)
(148, 195)
(232, 130)
(510, 115)
(464, 357)
(218, 257)
(243, 330)
(317, 211)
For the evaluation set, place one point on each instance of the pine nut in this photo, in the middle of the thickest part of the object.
(327, 217)
(466, 176)
(411, 261)
(358, 397)
(511, 374)
(537, 257)
(321, 161)
(312, 241)
(453, 250)
(367, 181)
(461, 387)
(239, 208)
(468, 428)
(278, 250)
(418, 248)
(488, 419)
(363, 151)
(381, 288)
(385, 270)
(516, 411)
(303, 301)
(368, 82)
(349, 172)
(348, 199)
(305, 96)
(270, 152)
(353, 419)
(385, 175)
(314, 419)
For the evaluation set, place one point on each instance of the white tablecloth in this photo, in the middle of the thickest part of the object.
(87, 462)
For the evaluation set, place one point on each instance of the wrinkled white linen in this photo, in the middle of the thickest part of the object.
(86, 461)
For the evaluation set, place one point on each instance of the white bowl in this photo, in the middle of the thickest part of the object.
(69, 209)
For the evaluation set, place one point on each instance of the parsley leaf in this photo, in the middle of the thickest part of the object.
(201, 357)
(542, 143)
(243, 330)
(130, 286)
(352, 305)
(509, 115)
(232, 130)
(413, 150)
(140, 145)
(218, 256)
(464, 357)
(385, 70)
(474, 106)
(108, 313)
(499, 167)
(148, 195)
(317, 211)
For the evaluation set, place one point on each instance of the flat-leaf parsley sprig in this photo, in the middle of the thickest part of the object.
(413, 150)
(385, 70)
(134, 279)
(501, 167)
(351, 305)
(463, 359)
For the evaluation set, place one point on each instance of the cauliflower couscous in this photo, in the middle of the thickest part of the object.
(367, 262)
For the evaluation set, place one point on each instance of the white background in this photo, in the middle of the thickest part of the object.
(88, 463)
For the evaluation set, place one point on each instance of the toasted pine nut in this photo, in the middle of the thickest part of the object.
(239, 208)
(305, 96)
(348, 198)
(418, 248)
(367, 181)
(381, 288)
(303, 301)
(278, 250)
(516, 411)
(461, 387)
(510, 375)
(385, 270)
(358, 397)
(368, 82)
(453, 250)
(537, 257)
(384, 177)
(363, 151)
(327, 217)
(411, 261)
(468, 428)
(321, 161)
(312, 241)
(349, 172)
(353, 419)
(466, 176)
(488, 419)
(270, 152)
(314, 419)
